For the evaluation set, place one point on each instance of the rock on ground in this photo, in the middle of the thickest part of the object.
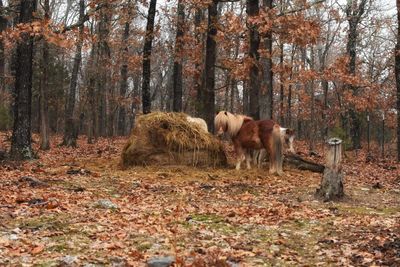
(161, 261)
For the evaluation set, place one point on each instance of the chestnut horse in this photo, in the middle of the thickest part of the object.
(287, 136)
(248, 134)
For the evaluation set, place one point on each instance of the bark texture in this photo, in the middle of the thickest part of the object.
(3, 26)
(354, 12)
(208, 94)
(397, 71)
(146, 95)
(21, 148)
(267, 92)
(303, 164)
(252, 9)
(332, 181)
(70, 130)
(177, 75)
(123, 87)
(332, 185)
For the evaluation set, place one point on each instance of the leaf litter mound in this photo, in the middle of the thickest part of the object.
(169, 139)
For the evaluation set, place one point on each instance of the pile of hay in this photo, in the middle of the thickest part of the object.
(169, 139)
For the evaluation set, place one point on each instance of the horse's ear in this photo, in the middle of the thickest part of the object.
(226, 113)
(216, 112)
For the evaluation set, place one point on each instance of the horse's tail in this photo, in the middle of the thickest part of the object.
(277, 147)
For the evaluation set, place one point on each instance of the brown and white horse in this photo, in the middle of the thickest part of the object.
(248, 134)
(287, 136)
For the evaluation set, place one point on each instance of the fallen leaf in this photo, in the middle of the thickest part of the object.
(38, 249)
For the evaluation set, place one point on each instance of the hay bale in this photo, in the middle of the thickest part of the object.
(169, 139)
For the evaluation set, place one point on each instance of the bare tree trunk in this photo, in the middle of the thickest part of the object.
(103, 58)
(111, 109)
(354, 13)
(289, 108)
(325, 87)
(199, 76)
(397, 72)
(70, 130)
(233, 85)
(3, 88)
(323, 53)
(281, 94)
(233, 80)
(267, 95)
(134, 107)
(246, 106)
(3, 26)
(299, 110)
(44, 89)
(124, 78)
(92, 123)
(146, 97)
(208, 95)
(252, 10)
(43, 106)
(177, 76)
(312, 107)
(21, 148)
(227, 89)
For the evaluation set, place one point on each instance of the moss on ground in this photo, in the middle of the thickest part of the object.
(55, 222)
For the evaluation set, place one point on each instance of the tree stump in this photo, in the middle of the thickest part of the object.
(332, 180)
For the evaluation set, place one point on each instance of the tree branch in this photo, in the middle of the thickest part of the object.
(86, 17)
(301, 8)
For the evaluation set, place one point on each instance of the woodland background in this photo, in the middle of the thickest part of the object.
(74, 75)
(324, 68)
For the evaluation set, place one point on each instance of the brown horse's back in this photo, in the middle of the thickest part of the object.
(265, 131)
(255, 134)
(266, 126)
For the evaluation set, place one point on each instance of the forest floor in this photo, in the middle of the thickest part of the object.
(76, 207)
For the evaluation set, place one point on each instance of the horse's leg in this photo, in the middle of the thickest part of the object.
(240, 158)
(291, 148)
(267, 144)
(277, 147)
(248, 159)
(261, 157)
(255, 153)
(239, 154)
(272, 163)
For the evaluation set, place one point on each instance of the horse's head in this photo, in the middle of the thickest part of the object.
(221, 123)
(289, 138)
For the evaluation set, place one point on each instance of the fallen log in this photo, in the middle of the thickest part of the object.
(302, 164)
(3, 155)
(33, 182)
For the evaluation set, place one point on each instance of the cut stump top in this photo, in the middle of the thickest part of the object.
(334, 141)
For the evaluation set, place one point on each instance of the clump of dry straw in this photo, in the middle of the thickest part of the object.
(168, 138)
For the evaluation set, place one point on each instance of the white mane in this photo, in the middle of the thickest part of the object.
(229, 122)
